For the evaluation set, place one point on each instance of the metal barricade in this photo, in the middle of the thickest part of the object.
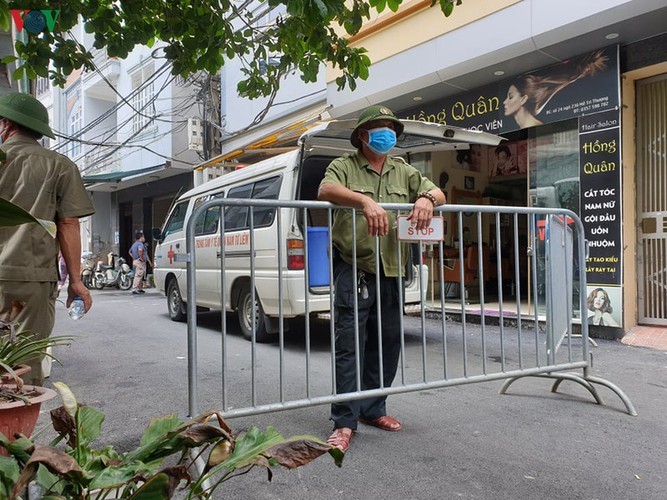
(435, 352)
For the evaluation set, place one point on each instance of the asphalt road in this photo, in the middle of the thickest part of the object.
(130, 361)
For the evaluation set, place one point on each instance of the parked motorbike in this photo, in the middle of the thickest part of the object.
(119, 275)
(87, 269)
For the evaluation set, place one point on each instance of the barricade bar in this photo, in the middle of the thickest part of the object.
(495, 254)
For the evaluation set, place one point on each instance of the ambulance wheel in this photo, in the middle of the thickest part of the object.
(175, 304)
(245, 310)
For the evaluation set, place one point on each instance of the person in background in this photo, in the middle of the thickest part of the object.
(599, 304)
(504, 164)
(363, 180)
(62, 271)
(49, 186)
(470, 159)
(139, 260)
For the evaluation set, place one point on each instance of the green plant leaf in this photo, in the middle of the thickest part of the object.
(26, 347)
(18, 72)
(89, 427)
(162, 485)
(20, 448)
(250, 447)
(9, 471)
(13, 215)
(156, 488)
(158, 427)
(115, 476)
(49, 481)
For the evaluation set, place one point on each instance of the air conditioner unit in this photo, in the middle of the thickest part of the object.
(195, 134)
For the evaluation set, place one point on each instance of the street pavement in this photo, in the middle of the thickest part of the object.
(130, 361)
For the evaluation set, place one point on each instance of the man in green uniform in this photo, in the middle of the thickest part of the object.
(49, 186)
(363, 180)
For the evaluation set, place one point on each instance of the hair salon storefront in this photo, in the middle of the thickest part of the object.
(563, 129)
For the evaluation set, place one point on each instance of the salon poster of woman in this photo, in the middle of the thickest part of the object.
(603, 305)
(580, 86)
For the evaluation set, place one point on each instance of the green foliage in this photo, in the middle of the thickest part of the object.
(202, 35)
(23, 348)
(20, 349)
(13, 215)
(76, 470)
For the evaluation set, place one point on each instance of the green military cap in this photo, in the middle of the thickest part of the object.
(25, 110)
(372, 113)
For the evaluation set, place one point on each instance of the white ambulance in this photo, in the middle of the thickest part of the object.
(295, 175)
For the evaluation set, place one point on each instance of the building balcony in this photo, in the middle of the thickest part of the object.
(101, 161)
(98, 83)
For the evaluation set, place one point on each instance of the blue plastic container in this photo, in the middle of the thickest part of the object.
(318, 256)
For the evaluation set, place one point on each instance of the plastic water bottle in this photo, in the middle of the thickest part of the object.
(77, 309)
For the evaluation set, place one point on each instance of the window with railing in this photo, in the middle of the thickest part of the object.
(75, 122)
(143, 98)
(42, 85)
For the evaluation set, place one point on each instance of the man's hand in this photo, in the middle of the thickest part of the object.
(78, 289)
(376, 218)
(421, 214)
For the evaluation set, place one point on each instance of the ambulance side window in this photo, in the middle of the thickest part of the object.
(237, 217)
(176, 219)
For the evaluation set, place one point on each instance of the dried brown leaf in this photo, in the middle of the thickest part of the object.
(298, 452)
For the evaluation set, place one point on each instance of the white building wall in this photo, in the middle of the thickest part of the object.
(525, 30)
(156, 135)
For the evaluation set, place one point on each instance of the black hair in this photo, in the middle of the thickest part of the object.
(138, 235)
(503, 149)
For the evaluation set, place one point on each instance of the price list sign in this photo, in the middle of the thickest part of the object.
(600, 162)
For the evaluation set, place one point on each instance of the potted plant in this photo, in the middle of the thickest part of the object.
(74, 469)
(69, 467)
(19, 403)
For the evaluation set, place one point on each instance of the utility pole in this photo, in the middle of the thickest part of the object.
(205, 94)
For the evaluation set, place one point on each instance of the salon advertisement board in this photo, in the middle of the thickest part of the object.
(600, 192)
(578, 86)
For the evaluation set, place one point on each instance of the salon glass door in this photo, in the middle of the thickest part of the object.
(553, 181)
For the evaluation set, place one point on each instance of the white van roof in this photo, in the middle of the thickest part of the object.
(416, 137)
(333, 137)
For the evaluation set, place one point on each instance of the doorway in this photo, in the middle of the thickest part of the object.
(126, 238)
(652, 201)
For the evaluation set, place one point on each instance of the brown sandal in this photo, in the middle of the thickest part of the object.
(385, 422)
(340, 439)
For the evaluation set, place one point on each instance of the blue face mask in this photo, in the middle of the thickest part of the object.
(381, 140)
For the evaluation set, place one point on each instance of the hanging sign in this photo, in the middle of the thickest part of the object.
(581, 85)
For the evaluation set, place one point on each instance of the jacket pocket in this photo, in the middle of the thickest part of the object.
(397, 194)
(364, 189)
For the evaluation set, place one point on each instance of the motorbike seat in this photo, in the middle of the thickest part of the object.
(104, 267)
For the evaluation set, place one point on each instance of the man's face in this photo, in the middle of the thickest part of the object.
(364, 131)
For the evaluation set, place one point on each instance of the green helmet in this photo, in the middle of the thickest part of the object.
(25, 110)
(372, 113)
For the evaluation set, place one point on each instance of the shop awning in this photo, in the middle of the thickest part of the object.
(118, 176)
(276, 137)
(115, 181)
